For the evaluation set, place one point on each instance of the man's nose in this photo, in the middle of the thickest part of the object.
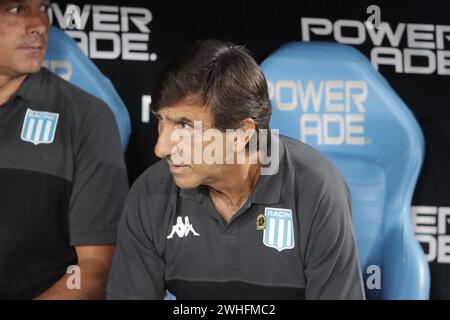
(165, 144)
(38, 23)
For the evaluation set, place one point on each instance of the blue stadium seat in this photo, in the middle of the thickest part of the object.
(66, 59)
(329, 96)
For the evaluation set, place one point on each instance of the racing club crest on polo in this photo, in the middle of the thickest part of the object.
(39, 127)
(279, 231)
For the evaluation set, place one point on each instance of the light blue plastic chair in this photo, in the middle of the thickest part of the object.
(373, 139)
(66, 59)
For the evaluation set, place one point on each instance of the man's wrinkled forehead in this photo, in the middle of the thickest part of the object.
(188, 111)
(190, 103)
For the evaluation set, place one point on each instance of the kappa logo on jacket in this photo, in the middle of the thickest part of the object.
(182, 229)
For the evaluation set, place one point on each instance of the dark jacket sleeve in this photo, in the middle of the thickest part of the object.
(100, 181)
(332, 265)
(137, 270)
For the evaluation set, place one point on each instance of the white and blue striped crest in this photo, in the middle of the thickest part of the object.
(39, 127)
(279, 230)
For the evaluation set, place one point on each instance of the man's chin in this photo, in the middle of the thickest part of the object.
(30, 65)
(29, 68)
(185, 183)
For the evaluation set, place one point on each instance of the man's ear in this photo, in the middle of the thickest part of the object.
(244, 134)
(248, 124)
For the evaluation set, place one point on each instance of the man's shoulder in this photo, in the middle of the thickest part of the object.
(308, 164)
(155, 181)
(80, 101)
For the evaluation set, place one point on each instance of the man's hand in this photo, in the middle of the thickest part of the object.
(94, 263)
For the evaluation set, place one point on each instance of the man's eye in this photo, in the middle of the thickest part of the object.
(183, 125)
(14, 10)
